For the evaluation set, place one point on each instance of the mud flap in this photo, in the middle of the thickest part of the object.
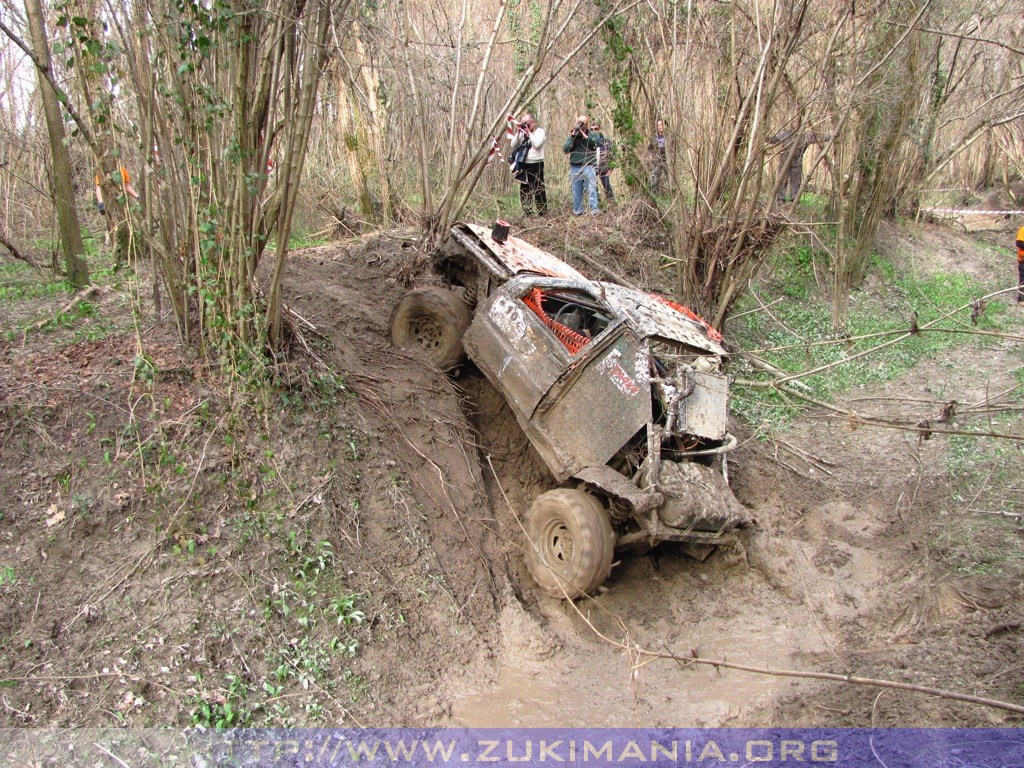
(697, 551)
(610, 482)
(698, 498)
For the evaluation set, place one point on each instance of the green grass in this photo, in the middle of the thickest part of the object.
(43, 293)
(987, 475)
(796, 334)
(979, 530)
(302, 239)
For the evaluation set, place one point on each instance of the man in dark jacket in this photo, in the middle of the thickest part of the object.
(581, 147)
(659, 157)
(794, 145)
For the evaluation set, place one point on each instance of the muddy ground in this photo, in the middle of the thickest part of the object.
(163, 557)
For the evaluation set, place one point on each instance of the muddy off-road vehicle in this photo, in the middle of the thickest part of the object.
(621, 393)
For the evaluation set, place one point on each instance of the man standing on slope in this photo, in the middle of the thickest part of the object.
(659, 157)
(605, 150)
(532, 193)
(581, 147)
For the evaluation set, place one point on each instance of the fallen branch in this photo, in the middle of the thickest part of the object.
(851, 679)
(16, 253)
(764, 365)
(1002, 628)
(855, 420)
(901, 337)
(79, 298)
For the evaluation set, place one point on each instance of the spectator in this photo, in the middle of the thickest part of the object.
(532, 192)
(126, 183)
(605, 155)
(656, 147)
(582, 150)
(792, 160)
(1020, 265)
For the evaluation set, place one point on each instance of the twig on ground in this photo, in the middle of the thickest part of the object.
(995, 630)
(79, 298)
(815, 461)
(764, 365)
(111, 755)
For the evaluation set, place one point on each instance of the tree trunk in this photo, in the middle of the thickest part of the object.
(63, 193)
(376, 126)
(352, 141)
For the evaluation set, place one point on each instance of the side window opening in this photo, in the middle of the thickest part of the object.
(573, 319)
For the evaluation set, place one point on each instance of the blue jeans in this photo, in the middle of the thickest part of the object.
(583, 179)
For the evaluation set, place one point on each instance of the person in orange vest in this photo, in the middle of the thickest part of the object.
(126, 182)
(1020, 265)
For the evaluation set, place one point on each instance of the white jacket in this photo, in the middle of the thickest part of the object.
(536, 153)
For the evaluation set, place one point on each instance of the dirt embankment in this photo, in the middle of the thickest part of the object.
(418, 481)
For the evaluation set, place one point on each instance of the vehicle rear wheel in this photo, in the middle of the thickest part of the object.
(570, 543)
(431, 321)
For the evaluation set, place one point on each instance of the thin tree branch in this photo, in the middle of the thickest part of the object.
(16, 253)
(941, 33)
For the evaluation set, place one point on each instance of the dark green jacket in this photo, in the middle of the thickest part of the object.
(581, 151)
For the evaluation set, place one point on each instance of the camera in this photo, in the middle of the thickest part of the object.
(580, 128)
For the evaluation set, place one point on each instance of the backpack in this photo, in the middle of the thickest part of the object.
(517, 161)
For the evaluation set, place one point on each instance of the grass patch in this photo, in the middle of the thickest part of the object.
(304, 239)
(796, 334)
(979, 545)
(988, 475)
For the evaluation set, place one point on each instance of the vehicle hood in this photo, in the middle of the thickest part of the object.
(649, 316)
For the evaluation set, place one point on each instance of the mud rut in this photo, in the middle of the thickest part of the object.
(822, 576)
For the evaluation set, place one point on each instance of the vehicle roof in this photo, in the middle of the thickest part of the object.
(645, 313)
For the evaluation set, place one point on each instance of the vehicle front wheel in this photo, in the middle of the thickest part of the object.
(431, 321)
(570, 543)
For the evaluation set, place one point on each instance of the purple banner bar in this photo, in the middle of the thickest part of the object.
(518, 747)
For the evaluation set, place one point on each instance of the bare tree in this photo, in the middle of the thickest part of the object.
(226, 98)
(722, 82)
(63, 191)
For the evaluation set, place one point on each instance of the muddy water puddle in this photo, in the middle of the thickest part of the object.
(588, 687)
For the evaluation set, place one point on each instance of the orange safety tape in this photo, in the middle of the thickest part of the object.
(571, 340)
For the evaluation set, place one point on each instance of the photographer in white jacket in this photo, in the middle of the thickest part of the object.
(532, 193)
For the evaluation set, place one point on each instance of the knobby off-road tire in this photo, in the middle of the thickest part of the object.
(431, 321)
(570, 543)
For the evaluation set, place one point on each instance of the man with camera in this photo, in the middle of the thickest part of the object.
(581, 147)
(532, 193)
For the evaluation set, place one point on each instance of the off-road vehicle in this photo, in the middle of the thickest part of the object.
(621, 392)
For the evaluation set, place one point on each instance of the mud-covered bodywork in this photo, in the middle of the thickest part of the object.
(617, 388)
